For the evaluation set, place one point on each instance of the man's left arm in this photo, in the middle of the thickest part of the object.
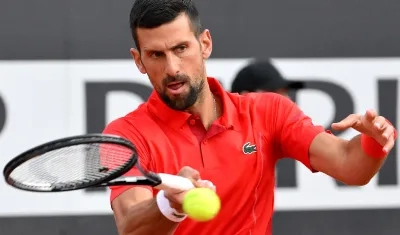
(353, 162)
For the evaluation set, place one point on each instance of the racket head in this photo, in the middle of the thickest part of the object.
(33, 159)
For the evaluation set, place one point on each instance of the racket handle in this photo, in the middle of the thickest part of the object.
(174, 183)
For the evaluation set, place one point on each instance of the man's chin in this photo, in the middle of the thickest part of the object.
(176, 102)
(177, 96)
(178, 105)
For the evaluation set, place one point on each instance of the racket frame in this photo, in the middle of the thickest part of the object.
(79, 140)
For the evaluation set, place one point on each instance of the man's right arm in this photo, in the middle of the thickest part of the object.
(136, 212)
(135, 209)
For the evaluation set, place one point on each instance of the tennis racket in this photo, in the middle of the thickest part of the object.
(78, 162)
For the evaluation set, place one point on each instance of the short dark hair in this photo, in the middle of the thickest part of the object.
(154, 13)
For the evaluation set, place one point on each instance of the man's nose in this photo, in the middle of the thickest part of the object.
(172, 65)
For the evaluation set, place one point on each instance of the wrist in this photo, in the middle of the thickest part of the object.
(165, 208)
(371, 147)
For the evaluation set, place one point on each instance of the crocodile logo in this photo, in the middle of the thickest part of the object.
(249, 148)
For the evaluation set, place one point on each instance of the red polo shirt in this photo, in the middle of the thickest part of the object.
(237, 153)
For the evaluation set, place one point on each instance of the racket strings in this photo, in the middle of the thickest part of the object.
(72, 165)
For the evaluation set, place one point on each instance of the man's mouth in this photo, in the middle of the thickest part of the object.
(175, 85)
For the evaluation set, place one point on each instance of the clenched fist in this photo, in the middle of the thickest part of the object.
(176, 198)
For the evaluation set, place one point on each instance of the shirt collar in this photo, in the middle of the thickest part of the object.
(177, 119)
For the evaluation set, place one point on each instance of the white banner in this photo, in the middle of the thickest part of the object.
(46, 100)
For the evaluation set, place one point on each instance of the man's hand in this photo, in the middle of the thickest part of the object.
(372, 125)
(176, 199)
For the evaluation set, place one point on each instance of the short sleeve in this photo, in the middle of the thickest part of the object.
(124, 129)
(295, 131)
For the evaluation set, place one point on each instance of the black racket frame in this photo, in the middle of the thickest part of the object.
(149, 178)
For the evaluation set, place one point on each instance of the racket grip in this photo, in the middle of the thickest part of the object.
(174, 183)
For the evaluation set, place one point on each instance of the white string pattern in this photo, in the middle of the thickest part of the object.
(71, 166)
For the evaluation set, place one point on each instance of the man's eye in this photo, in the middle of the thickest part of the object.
(156, 54)
(181, 48)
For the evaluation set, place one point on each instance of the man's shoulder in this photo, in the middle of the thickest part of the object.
(136, 121)
(260, 100)
(256, 96)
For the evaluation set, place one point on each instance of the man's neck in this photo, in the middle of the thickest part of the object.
(206, 108)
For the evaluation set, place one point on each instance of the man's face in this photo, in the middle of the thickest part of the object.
(174, 60)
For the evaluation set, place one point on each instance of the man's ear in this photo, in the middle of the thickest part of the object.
(206, 43)
(136, 57)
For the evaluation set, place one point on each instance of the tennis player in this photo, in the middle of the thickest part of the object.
(190, 126)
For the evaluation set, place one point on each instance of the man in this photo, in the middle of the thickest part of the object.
(191, 127)
(262, 76)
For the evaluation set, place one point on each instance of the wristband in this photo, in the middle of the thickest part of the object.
(165, 209)
(372, 148)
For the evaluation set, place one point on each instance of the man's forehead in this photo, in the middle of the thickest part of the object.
(166, 35)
